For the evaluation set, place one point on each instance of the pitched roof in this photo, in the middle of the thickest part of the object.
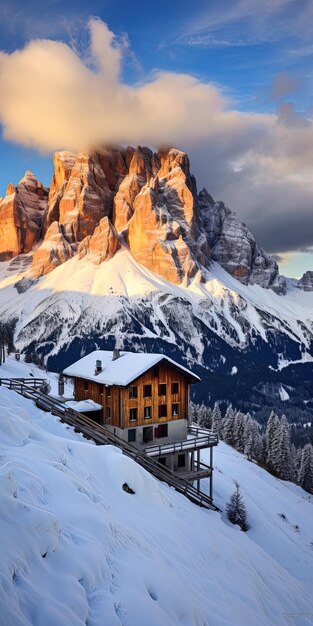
(123, 370)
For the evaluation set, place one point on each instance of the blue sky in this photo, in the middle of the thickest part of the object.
(258, 56)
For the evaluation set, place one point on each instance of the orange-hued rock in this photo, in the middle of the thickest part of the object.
(63, 165)
(151, 197)
(164, 232)
(139, 173)
(102, 245)
(175, 169)
(80, 195)
(155, 238)
(53, 251)
(21, 216)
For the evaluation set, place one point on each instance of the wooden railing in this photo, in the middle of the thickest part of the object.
(182, 446)
(32, 388)
(14, 383)
(203, 432)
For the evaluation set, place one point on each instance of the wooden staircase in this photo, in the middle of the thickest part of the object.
(34, 389)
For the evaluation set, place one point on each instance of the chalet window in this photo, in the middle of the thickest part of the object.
(133, 392)
(162, 389)
(132, 415)
(175, 388)
(175, 409)
(156, 371)
(147, 391)
(148, 412)
(162, 410)
(101, 390)
(108, 412)
(161, 431)
(86, 385)
(181, 460)
(108, 391)
(132, 435)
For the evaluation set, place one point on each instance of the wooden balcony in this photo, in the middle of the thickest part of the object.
(188, 445)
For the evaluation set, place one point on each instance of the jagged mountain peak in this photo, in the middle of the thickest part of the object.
(22, 212)
(306, 281)
(151, 199)
(29, 176)
(205, 197)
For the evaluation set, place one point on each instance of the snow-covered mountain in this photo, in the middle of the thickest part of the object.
(77, 549)
(127, 249)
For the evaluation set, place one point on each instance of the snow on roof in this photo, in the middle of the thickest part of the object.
(84, 406)
(121, 371)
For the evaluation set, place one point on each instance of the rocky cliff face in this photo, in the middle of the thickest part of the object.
(21, 216)
(79, 195)
(54, 250)
(102, 245)
(234, 247)
(163, 232)
(125, 196)
(306, 282)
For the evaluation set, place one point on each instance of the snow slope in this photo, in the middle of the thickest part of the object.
(280, 513)
(77, 549)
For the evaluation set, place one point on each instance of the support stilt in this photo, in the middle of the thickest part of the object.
(198, 469)
(211, 476)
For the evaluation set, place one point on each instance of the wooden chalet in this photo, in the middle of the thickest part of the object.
(143, 398)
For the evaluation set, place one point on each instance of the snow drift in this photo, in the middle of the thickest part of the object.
(76, 549)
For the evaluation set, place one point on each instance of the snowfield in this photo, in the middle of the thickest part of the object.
(120, 292)
(77, 549)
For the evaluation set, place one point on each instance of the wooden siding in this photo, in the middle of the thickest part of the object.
(100, 394)
(120, 403)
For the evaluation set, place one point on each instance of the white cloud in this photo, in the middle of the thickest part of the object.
(51, 98)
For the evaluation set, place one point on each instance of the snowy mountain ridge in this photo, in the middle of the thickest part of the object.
(126, 248)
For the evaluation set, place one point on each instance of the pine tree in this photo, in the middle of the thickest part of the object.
(297, 454)
(305, 478)
(286, 466)
(192, 417)
(209, 418)
(216, 419)
(260, 453)
(227, 432)
(249, 437)
(201, 414)
(272, 436)
(204, 416)
(239, 430)
(236, 509)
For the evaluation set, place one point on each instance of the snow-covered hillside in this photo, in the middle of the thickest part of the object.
(214, 325)
(79, 293)
(77, 549)
(280, 513)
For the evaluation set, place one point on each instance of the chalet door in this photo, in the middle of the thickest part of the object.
(147, 434)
